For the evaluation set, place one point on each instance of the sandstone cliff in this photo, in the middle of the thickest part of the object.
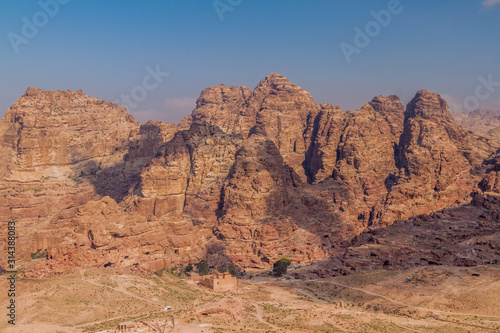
(267, 171)
(50, 142)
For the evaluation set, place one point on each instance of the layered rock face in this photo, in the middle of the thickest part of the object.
(148, 141)
(430, 135)
(189, 175)
(268, 172)
(323, 133)
(283, 109)
(226, 108)
(376, 153)
(51, 140)
(366, 157)
(491, 180)
(130, 234)
(61, 133)
(435, 157)
(255, 219)
(276, 109)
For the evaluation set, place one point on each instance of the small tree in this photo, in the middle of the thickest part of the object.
(219, 261)
(215, 248)
(280, 267)
(217, 257)
(234, 270)
(188, 268)
(202, 267)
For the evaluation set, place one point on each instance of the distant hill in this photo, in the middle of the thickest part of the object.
(480, 121)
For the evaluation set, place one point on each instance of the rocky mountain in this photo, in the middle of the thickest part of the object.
(267, 171)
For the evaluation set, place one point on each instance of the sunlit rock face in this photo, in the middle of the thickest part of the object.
(267, 171)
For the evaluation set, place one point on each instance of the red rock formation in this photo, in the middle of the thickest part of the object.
(366, 163)
(276, 109)
(61, 149)
(268, 171)
(226, 108)
(254, 219)
(324, 132)
(189, 175)
(50, 141)
(491, 180)
(435, 172)
(464, 236)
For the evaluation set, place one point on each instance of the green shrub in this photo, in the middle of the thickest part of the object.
(280, 267)
(202, 267)
(234, 270)
(39, 254)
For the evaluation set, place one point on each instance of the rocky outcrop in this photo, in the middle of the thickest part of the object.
(118, 181)
(118, 235)
(323, 134)
(148, 141)
(268, 172)
(435, 159)
(276, 109)
(366, 160)
(62, 149)
(391, 109)
(189, 175)
(283, 110)
(225, 107)
(255, 222)
(50, 141)
(462, 236)
(491, 180)
(63, 133)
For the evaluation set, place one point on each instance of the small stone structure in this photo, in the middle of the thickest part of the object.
(43, 240)
(154, 326)
(218, 281)
(126, 327)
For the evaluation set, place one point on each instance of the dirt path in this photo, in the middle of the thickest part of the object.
(120, 290)
(109, 319)
(404, 304)
(125, 292)
(311, 296)
(316, 299)
(260, 317)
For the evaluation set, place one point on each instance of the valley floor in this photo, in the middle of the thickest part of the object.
(424, 299)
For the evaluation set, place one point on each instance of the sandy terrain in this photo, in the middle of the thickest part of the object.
(426, 299)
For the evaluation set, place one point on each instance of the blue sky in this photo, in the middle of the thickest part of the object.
(104, 48)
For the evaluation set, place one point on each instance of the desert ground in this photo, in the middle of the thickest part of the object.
(423, 299)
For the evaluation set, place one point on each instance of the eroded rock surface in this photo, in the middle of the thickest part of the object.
(267, 171)
(463, 236)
